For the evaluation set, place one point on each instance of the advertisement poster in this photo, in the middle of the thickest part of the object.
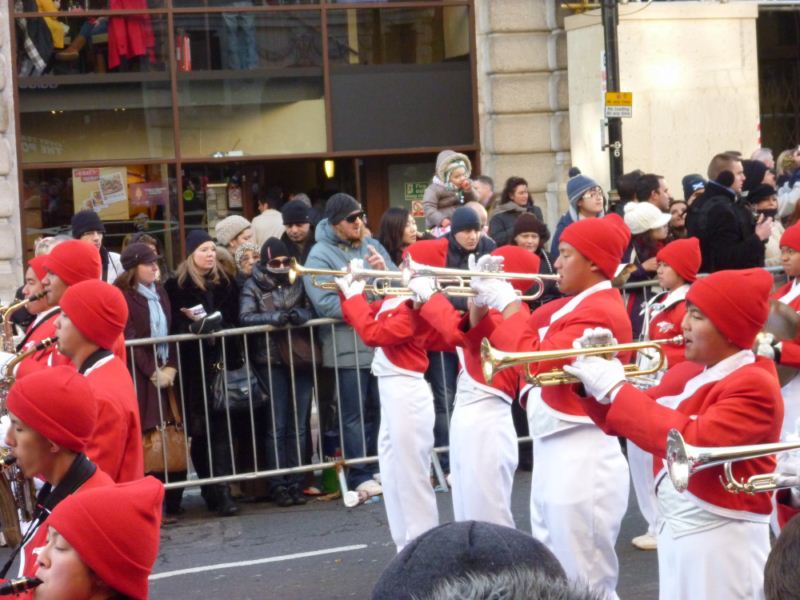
(103, 190)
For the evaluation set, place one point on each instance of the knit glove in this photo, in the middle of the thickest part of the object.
(598, 375)
(422, 288)
(163, 377)
(349, 286)
(298, 316)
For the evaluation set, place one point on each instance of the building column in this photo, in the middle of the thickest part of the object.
(522, 97)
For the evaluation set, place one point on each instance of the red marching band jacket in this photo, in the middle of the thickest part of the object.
(790, 352)
(666, 323)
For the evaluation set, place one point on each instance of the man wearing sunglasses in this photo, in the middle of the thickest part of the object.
(340, 238)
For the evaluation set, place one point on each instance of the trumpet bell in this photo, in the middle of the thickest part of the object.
(677, 460)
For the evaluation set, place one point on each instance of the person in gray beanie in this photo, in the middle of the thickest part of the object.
(233, 231)
(459, 549)
(87, 226)
(586, 201)
(339, 239)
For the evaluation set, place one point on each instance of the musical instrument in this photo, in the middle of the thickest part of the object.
(297, 270)
(8, 324)
(494, 360)
(16, 586)
(684, 460)
(455, 290)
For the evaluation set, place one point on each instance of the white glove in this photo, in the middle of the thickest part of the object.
(598, 375)
(422, 287)
(593, 337)
(349, 286)
(766, 346)
(355, 265)
(494, 293)
(486, 263)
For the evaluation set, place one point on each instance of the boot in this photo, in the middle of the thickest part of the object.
(282, 497)
(297, 495)
(209, 494)
(226, 507)
(73, 51)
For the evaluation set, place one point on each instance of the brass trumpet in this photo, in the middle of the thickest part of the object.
(494, 360)
(297, 270)
(379, 288)
(684, 460)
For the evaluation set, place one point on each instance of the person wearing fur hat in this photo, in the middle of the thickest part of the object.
(269, 299)
(586, 201)
(482, 474)
(722, 395)
(93, 315)
(87, 226)
(405, 441)
(340, 239)
(102, 544)
(449, 189)
(200, 281)
(53, 415)
(568, 447)
(515, 201)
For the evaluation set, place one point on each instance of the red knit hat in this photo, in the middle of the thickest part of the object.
(683, 256)
(37, 263)
(74, 261)
(791, 237)
(432, 253)
(602, 241)
(115, 529)
(58, 403)
(518, 260)
(736, 302)
(97, 309)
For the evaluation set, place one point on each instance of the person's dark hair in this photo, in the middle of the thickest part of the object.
(485, 179)
(626, 184)
(646, 185)
(273, 197)
(127, 279)
(390, 232)
(782, 571)
(508, 190)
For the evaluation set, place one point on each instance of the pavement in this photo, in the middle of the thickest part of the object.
(323, 550)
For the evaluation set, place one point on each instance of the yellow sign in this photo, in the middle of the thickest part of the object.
(104, 190)
(619, 105)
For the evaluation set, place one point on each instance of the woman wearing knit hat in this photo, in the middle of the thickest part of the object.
(102, 544)
(567, 446)
(449, 189)
(586, 201)
(246, 256)
(269, 299)
(515, 201)
(532, 235)
(722, 395)
(199, 291)
(233, 231)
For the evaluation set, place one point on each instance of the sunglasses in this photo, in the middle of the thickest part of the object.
(279, 264)
(352, 218)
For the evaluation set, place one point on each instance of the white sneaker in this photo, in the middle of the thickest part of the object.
(371, 487)
(645, 542)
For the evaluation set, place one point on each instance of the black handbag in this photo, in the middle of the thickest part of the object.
(235, 390)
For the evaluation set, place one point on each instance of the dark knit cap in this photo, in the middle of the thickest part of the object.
(464, 219)
(456, 549)
(272, 248)
(528, 223)
(760, 192)
(339, 206)
(295, 212)
(85, 221)
(754, 171)
(195, 239)
(691, 183)
(137, 254)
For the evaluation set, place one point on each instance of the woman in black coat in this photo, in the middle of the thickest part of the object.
(532, 235)
(153, 369)
(514, 201)
(200, 282)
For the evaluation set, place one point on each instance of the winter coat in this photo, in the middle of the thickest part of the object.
(296, 251)
(458, 258)
(546, 267)
(567, 219)
(112, 265)
(440, 200)
(501, 225)
(266, 301)
(332, 252)
(144, 360)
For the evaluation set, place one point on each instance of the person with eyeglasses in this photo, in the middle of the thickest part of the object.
(339, 239)
(586, 201)
(268, 298)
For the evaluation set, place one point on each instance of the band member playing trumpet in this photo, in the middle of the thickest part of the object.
(483, 442)
(405, 437)
(724, 397)
(580, 478)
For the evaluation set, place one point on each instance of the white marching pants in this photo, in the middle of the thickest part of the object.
(579, 494)
(405, 443)
(724, 563)
(483, 458)
(641, 466)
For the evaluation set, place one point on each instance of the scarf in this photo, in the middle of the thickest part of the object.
(158, 320)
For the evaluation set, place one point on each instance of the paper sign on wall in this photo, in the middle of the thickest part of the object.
(103, 190)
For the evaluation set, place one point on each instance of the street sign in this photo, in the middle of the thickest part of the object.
(619, 105)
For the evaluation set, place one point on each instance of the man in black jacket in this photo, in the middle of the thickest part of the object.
(730, 237)
(299, 234)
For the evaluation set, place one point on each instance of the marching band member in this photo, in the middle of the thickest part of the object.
(483, 441)
(724, 397)
(678, 263)
(93, 316)
(53, 414)
(101, 544)
(405, 438)
(579, 486)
